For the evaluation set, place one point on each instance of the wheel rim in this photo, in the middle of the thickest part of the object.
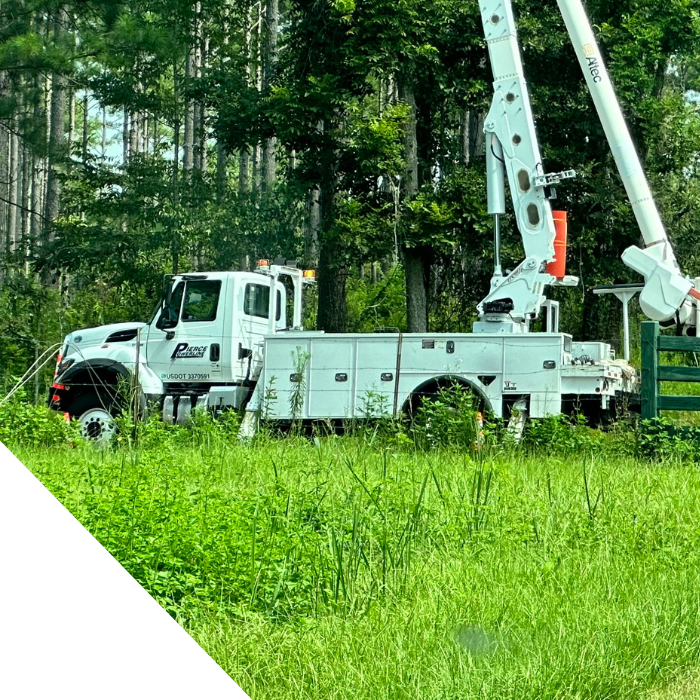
(97, 425)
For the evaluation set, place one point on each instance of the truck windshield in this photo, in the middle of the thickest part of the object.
(173, 312)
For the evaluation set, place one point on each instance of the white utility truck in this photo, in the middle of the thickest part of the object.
(235, 339)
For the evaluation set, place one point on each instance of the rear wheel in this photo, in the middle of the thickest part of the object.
(454, 395)
(448, 412)
(96, 421)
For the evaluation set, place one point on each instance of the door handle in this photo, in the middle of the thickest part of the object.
(214, 352)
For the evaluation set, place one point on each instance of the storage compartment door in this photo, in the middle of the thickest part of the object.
(332, 377)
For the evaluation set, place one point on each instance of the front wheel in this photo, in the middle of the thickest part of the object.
(96, 422)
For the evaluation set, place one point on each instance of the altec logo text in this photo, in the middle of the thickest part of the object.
(594, 67)
(185, 351)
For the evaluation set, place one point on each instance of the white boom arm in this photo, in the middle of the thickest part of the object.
(666, 291)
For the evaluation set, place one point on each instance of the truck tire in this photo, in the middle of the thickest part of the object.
(94, 415)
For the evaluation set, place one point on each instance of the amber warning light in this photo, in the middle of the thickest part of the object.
(310, 274)
(263, 263)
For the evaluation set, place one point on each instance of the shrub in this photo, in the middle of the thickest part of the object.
(560, 433)
(202, 428)
(21, 422)
(448, 420)
(658, 439)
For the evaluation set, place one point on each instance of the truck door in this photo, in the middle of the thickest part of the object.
(254, 318)
(190, 351)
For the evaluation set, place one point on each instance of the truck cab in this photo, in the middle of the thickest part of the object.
(202, 347)
(208, 328)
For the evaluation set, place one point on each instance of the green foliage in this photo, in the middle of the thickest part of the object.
(22, 423)
(31, 320)
(447, 421)
(337, 102)
(660, 440)
(379, 305)
(297, 396)
(562, 434)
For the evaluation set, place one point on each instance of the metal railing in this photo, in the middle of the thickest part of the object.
(653, 343)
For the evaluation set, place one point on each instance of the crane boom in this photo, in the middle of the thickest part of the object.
(512, 150)
(666, 291)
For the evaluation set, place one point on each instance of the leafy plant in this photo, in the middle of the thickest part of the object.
(21, 422)
(659, 439)
(297, 395)
(562, 434)
(447, 420)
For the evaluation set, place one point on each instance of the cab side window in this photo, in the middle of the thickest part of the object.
(256, 301)
(201, 300)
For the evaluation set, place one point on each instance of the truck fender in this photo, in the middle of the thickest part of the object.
(95, 368)
(434, 384)
(73, 373)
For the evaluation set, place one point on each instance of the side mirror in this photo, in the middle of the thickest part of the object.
(168, 318)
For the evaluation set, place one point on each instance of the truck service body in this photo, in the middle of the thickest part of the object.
(220, 353)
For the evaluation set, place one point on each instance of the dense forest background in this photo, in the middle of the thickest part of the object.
(145, 137)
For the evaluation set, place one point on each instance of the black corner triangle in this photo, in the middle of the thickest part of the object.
(77, 619)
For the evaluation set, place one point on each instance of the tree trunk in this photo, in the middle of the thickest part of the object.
(86, 127)
(175, 236)
(416, 261)
(477, 140)
(26, 203)
(71, 119)
(255, 168)
(332, 298)
(243, 168)
(4, 198)
(57, 137)
(14, 191)
(417, 268)
(332, 302)
(104, 132)
(269, 61)
(37, 165)
(244, 153)
(37, 220)
(144, 133)
(156, 142)
(125, 136)
(257, 150)
(313, 227)
(411, 143)
(188, 141)
(133, 134)
(221, 171)
(465, 136)
(201, 128)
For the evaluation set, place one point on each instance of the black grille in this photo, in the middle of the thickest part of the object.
(123, 336)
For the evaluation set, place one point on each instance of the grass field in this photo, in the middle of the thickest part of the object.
(354, 569)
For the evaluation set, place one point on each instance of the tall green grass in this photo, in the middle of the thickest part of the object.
(331, 569)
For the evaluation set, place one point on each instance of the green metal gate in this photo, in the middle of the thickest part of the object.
(653, 372)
